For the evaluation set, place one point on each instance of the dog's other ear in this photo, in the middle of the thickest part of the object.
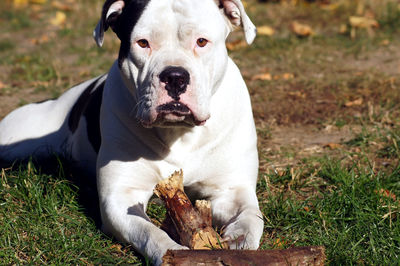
(235, 12)
(111, 10)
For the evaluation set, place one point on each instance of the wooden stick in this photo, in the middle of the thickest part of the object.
(194, 229)
(193, 224)
(291, 256)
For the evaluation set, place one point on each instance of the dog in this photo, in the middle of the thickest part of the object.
(172, 100)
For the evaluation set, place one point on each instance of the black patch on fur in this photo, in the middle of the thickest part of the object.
(107, 22)
(79, 107)
(92, 115)
(88, 105)
(123, 24)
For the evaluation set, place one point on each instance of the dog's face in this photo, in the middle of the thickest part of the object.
(173, 55)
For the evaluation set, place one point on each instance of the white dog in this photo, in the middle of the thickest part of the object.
(173, 100)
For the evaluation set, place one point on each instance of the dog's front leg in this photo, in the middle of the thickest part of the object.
(123, 202)
(236, 210)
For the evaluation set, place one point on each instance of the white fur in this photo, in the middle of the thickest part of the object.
(39, 129)
(219, 159)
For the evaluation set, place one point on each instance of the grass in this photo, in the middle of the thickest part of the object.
(353, 212)
(345, 198)
(42, 222)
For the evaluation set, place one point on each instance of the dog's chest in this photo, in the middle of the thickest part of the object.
(197, 154)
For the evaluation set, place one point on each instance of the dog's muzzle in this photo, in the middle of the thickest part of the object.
(174, 111)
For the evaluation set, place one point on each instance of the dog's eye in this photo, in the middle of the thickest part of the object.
(201, 42)
(143, 43)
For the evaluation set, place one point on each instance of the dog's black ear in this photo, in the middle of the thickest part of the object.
(111, 11)
(234, 10)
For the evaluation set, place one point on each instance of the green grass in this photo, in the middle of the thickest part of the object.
(391, 147)
(33, 68)
(43, 223)
(351, 210)
(18, 19)
(391, 20)
(6, 45)
(348, 212)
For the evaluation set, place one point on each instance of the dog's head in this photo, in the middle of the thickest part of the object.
(173, 55)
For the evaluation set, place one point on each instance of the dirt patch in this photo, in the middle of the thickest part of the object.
(384, 59)
(286, 146)
(359, 89)
(308, 137)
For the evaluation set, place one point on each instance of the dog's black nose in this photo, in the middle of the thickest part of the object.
(176, 80)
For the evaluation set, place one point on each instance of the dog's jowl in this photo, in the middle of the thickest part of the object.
(172, 100)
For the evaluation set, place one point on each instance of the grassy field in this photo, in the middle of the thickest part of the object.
(327, 114)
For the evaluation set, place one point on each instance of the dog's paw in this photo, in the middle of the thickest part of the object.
(239, 236)
(178, 247)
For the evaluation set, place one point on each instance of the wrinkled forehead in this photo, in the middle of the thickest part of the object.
(185, 16)
(185, 8)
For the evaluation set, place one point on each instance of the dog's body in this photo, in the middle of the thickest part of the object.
(173, 100)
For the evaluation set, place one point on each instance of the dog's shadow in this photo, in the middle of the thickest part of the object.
(59, 168)
(82, 181)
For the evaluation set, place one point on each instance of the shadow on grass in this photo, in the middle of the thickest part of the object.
(83, 182)
(49, 214)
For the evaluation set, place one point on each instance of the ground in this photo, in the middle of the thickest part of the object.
(326, 106)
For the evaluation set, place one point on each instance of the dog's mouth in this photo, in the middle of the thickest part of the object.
(174, 114)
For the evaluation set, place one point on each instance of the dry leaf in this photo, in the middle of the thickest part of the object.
(2, 85)
(298, 94)
(359, 74)
(36, 11)
(20, 3)
(387, 194)
(265, 30)
(343, 29)
(61, 6)
(263, 76)
(357, 102)
(268, 76)
(363, 22)
(301, 30)
(280, 172)
(330, 7)
(38, 1)
(279, 242)
(43, 84)
(59, 19)
(235, 45)
(117, 247)
(42, 39)
(83, 73)
(287, 76)
(333, 146)
(385, 42)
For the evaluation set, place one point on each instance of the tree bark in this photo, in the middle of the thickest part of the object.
(291, 256)
(193, 224)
